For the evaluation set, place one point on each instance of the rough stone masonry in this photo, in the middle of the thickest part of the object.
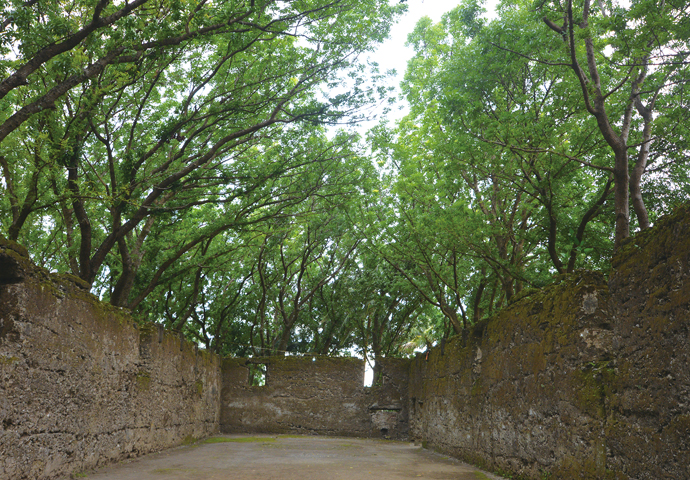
(582, 379)
(587, 378)
(82, 385)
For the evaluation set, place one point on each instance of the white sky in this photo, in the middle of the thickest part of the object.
(393, 54)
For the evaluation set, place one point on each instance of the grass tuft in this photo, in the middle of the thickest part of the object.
(480, 476)
(239, 440)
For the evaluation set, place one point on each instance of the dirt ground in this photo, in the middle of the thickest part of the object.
(265, 457)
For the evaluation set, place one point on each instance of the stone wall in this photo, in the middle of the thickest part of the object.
(315, 395)
(583, 379)
(647, 395)
(82, 385)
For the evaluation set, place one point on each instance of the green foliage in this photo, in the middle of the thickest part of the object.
(499, 178)
(174, 156)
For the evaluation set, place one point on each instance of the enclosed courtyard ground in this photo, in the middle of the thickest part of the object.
(292, 457)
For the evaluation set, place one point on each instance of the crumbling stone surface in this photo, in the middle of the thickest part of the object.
(515, 394)
(81, 385)
(389, 411)
(314, 395)
(648, 412)
(585, 379)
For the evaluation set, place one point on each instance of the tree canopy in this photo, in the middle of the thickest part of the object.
(183, 159)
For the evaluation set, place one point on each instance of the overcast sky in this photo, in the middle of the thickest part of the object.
(393, 54)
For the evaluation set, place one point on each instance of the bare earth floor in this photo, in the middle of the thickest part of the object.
(265, 457)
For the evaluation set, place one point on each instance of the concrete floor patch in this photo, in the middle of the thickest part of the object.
(271, 457)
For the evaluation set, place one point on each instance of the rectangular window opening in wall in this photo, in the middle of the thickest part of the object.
(368, 372)
(257, 374)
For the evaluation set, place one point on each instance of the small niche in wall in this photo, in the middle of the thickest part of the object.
(257, 374)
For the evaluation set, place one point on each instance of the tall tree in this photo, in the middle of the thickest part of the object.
(625, 58)
(271, 266)
(159, 108)
(486, 192)
(514, 123)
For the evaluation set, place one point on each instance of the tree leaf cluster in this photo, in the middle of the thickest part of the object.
(504, 173)
(177, 156)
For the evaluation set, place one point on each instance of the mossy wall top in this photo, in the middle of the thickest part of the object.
(81, 384)
(585, 379)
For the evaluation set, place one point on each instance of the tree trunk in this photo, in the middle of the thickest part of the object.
(640, 165)
(621, 196)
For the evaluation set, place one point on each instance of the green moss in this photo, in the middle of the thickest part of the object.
(143, 380)
(109, 316)
(553, 309)
(660, 295)
(678, 430)
(230, 363)
(632, 246)
(240, 439)
(594, 378)
(633, 251)
(477, 387)
(189, 439)
(4, 360)
(169, 471)
(9, 245)
(527, 292)
(61, 285)
(73, 279)
(46, 284)
(199, 387)
(147, 331)
(104, 312)
(588, 468)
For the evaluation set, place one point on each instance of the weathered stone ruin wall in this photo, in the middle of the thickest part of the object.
(387, 400)
(646, 398)
(584, 379)
(520, 394)
(315, 395)
(580, 380)
(81, 385)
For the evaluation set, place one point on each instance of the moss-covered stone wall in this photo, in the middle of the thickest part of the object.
(315, 395)
(584, 379)
(588, 378)
(648, 410)
(82, 385)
